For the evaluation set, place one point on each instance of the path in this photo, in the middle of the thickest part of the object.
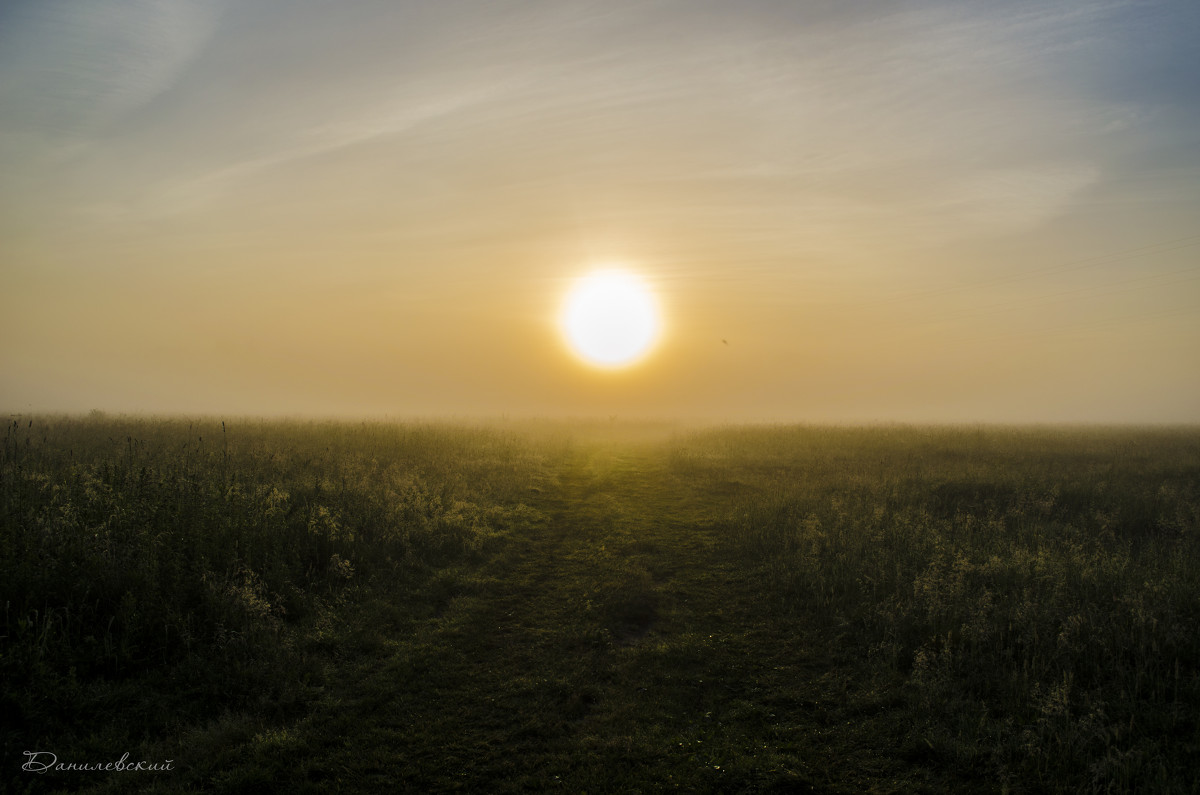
(613, 647)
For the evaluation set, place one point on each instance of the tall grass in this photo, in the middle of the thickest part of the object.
(1039, 589)
(1028, 600)
(199, 559)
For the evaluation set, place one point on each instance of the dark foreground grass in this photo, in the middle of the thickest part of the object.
(1038, 589)
(359, 608)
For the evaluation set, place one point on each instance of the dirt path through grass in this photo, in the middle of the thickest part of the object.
(612, 646)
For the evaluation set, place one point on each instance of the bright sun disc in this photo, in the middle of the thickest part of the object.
(610, 318)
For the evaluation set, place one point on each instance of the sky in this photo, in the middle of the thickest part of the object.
(848, 212)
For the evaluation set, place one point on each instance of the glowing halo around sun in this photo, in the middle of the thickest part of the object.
(610, 318)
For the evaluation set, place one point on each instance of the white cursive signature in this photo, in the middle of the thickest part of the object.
(44, 761)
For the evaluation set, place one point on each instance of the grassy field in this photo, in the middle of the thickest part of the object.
(314, 607)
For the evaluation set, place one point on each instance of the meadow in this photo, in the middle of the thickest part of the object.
(603, 607)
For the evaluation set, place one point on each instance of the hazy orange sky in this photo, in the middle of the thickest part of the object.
(918, 211)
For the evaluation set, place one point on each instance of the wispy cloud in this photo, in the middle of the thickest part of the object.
(959, 118)
(74, 67)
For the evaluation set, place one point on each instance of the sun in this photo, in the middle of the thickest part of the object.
(610, 318)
